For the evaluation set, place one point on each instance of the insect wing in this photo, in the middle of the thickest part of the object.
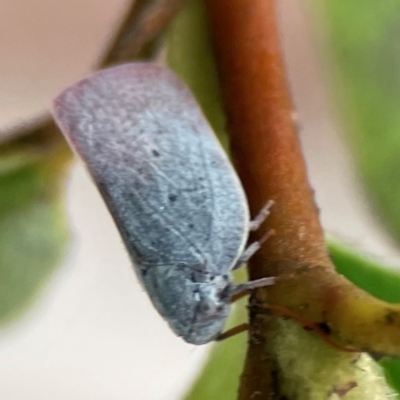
(164, 176)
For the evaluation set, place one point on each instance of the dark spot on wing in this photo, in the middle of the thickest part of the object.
(97, 146)
(172, 198)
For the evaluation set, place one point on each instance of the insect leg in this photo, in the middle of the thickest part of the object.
(253, 248)
(241, 289)
(261, 216)
(232, 332)
(254, 225)
(236, 293)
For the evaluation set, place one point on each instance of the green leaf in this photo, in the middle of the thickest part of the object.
(380, 281)
(366, 272)
(364, 36)
(33, 229)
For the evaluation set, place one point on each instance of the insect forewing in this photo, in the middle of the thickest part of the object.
(163, 175)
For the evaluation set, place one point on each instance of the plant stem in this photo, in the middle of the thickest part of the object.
(139, 32)
(269, 160)
(262, 130)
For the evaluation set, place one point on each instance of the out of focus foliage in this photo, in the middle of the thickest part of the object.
(33, 229)
(363, 41)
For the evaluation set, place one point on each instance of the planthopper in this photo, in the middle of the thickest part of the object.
(174, 196)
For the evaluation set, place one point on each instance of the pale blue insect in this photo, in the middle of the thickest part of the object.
(174, 196)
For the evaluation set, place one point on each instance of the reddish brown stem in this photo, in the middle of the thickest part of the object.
(266, 151)
(269, 161)
(262, 130)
